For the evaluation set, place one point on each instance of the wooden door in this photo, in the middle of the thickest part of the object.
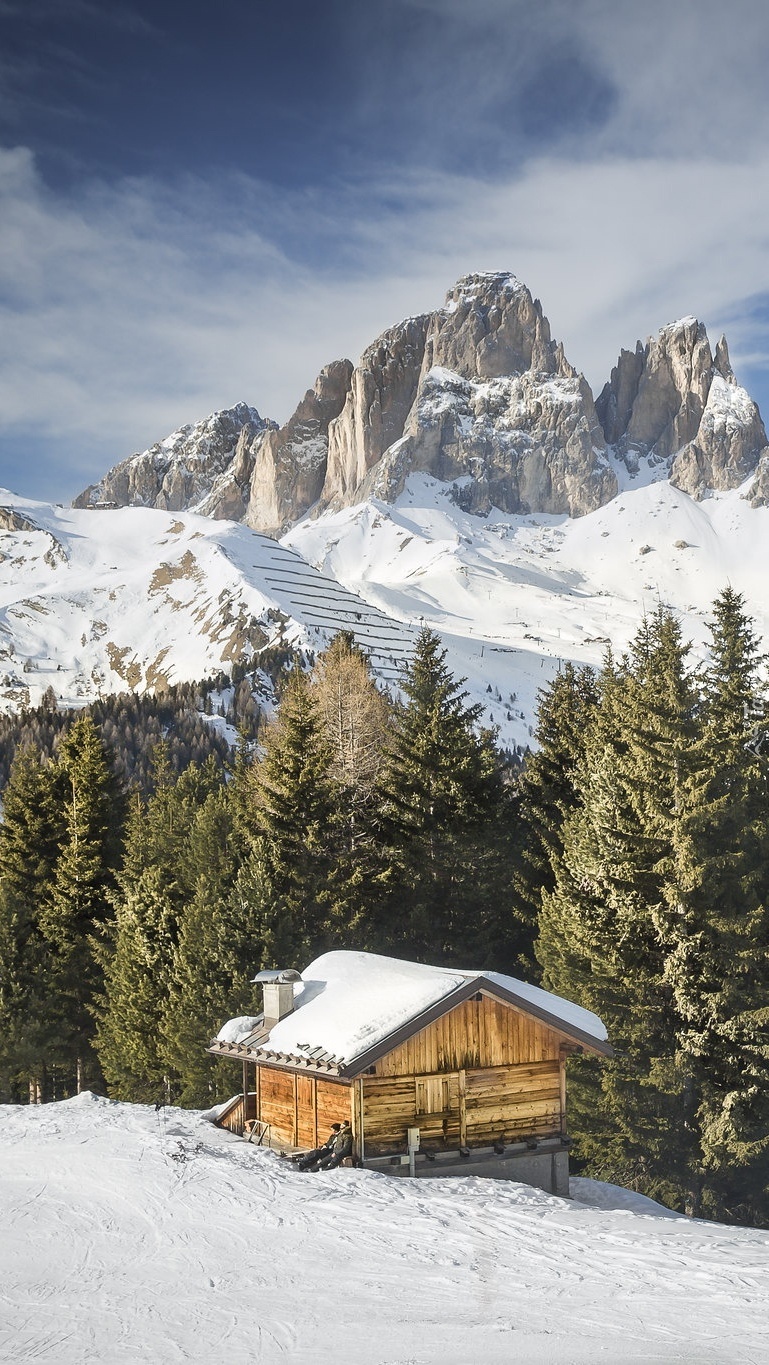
(436, 1105)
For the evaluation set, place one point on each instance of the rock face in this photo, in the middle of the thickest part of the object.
(477, 394)
(288, 466)
(181, 471)
(675, 403)
(381, 393)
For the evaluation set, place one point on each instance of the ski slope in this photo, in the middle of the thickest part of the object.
(133, 1236)
(515, 597)
(133, 598)
(94, 602)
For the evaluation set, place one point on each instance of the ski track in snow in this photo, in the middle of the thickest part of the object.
(133, 1236)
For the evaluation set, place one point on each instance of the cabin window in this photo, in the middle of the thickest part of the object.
(432, 1094)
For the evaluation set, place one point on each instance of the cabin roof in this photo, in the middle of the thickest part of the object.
(350, 1009)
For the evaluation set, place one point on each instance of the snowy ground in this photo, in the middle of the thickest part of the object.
(131, 1236)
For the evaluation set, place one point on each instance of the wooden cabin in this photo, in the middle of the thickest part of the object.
(437, 1070)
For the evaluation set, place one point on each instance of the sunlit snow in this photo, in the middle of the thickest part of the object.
(133, 1235)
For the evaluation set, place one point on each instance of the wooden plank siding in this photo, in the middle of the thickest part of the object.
(235, 1114)
(477, 1033)
(300, 1109)
(479, 1106)
(484, 1071)
(513, 1102)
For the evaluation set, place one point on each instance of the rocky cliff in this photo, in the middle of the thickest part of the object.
(289, 465)
(183, 471)
(479, 395)
(673, 402)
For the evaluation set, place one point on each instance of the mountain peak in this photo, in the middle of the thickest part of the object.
(180, 470)
(477, 392)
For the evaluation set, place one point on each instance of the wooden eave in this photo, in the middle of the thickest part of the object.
(317, 1062)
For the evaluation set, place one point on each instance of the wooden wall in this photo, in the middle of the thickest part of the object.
(467, 1107)
(236, 1113)
(300, 1109)
(477, 1033)
(485, 1071)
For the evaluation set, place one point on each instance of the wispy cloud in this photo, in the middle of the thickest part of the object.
(144, 305)
(130, 305)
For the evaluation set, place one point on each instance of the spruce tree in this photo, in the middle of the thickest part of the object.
(443, 801)
(30, 835)
(547, 793)
(604, 937)
(79, 908)
(292, 817)
(717, 923)
(155, 886)
(217, 953)
(137, 977)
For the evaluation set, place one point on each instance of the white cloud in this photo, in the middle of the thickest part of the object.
(144, 305)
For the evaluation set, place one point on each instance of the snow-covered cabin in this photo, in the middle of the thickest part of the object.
(475, 1061)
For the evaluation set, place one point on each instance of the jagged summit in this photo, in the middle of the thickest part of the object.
(674, 403)
(180, 472)
(477, 394)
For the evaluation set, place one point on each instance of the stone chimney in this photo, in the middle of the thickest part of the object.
(278, 989)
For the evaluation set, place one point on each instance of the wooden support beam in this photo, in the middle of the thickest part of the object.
(462, 1108)
(361, 1134)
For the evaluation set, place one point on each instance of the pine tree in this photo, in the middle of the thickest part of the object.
(217, 953)
(292, 817)
(546, 787)
(79, 906)
(604, 937)
(355, 718)
(717, 899)
(137, 979)
(155, 885)
(30, 834)
(443, 798)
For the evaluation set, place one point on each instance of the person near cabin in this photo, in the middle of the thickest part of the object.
(340, 1148)
(308, 1159)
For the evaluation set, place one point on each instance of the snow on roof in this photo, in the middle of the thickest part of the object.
(348, 1003)
(569, 1014)
(235, 1030)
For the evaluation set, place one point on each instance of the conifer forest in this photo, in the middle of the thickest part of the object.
(148, 871)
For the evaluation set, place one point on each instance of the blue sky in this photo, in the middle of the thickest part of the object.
(204, 204)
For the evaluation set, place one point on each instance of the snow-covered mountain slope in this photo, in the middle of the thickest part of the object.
(94, 602)
(131, 1235)
(516, 596)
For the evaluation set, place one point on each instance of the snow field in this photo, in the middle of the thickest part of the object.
(515, 597)
(98, 601)
(134, 1236)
